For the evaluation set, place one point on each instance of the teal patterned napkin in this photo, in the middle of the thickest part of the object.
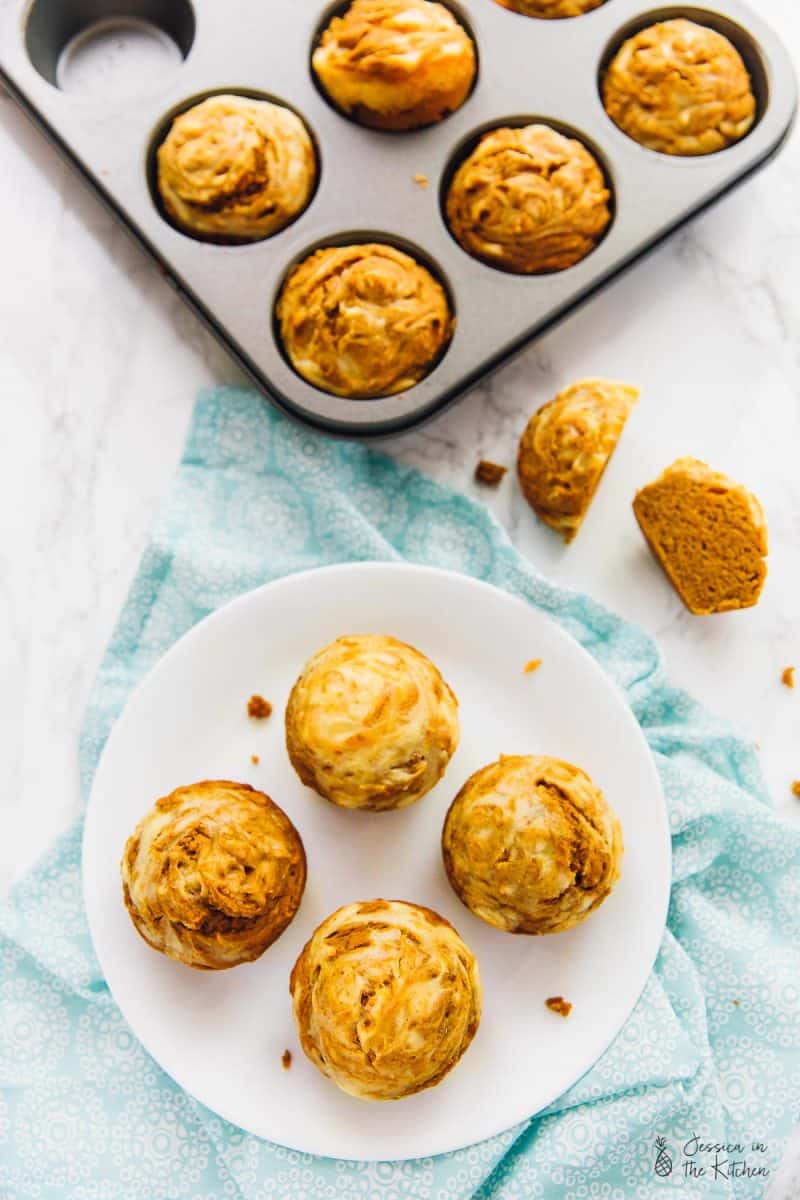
(712, 1050)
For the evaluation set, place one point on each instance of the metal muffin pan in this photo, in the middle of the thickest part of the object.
(528, 69)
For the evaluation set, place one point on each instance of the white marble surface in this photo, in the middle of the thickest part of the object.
(101, 363)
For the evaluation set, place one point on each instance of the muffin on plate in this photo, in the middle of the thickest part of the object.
(370, 723)
(679, 88)
(531, 845)
(395, 64)
(213, 874)
(386, 997)
(550, 9)
(709, 535)
(363, 321)
(566, 446)
(235, 169)
(528, 200)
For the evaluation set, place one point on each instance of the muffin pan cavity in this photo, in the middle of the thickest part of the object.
(389, 189)
(89, 47)
(734, 30)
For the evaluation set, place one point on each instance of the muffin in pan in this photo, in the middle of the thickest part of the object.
(370, 723)
(232, 168)
(387, 998)
(213, 874)
(395, 64)
(566, 447)
(679, 88)
(528, 200)
(363, 321)
(550, 9)
(531, 845)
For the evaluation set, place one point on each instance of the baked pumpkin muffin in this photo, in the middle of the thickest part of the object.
(370, 723)
(396, 64)
(566, 446)
(550, 9)
(213, 874)
(679, 88)
(531, 845)
(528, 200)
(709, 535)
(363, 321)
(386, 997)
(237, 169)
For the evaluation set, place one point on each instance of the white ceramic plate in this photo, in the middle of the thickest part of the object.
(221, 1035)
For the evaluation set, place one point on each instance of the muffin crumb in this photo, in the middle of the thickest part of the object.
(558, 1004)
(787, 677)
(796, 788)
(490, 473)
(259, 708)
(286, 1059)
(421, 179)
(532, 666)
(255, 760)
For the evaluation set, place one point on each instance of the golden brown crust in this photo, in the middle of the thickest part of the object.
(213, 874)
(528, 200)
(236, 169)
(363, 321)
(531, 845)
(679, 88)
(565, 449)
(396, 64)
(370, 723)
(709, 535)
(550, 9)
(386, 997)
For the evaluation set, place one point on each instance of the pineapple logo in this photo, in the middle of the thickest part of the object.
(663, 1163)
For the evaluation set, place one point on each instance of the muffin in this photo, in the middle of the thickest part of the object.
(709, 535)
(386, 998)
(550, 9)
(370, 723)
(395, 64)
(235, 169)
(679, 88)
(531, 845)
(363, 321)
(213, 874)
(528, 200)
(566, 446)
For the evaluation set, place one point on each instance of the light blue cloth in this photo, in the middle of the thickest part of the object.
(713, 1047)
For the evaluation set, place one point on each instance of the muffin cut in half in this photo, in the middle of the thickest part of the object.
(566, 447)
(709, 535)
(232, 168)
(370, 723)
(387, 997)
(531, 845)
(396, 64)
(679, 88)
(213, 874)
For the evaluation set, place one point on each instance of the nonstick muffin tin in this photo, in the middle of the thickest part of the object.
(528, 69)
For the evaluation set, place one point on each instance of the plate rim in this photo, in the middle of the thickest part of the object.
(377, 566)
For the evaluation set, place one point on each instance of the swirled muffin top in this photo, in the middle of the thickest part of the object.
(550, 9)
(528, 200)
(370, 723)
(213, 874)
(679, 88)
(233, 168)
(531, 845)
(387, 997)
(396, 64)
(363, 321)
